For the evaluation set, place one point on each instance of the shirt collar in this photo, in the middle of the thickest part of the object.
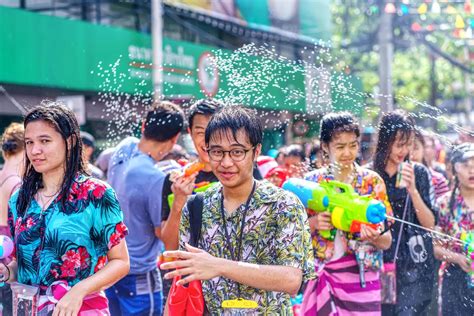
(265, 192)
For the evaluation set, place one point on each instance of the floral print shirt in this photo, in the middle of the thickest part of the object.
(276, 232)
(70, 242)
(460, 220)
(365, 182)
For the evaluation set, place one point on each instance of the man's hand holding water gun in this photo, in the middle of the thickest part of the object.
(182, 187)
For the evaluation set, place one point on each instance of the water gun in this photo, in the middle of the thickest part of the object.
(468, 239)
(349, 211)
(193, 168)
(187, 170)
(199, 187)
(6, 249)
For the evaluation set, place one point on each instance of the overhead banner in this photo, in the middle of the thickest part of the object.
(45, 51)
(306, 17)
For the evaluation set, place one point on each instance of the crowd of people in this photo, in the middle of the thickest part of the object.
(124, 235)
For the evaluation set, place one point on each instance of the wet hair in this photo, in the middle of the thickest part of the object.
(390, 125)
(455, 156)
(235, 118)
(205, 107)
(163, 121)
(335, 123)
(421, 138)
(13, 141)
(64, 122)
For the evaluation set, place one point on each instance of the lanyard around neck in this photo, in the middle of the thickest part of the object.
(236, 256)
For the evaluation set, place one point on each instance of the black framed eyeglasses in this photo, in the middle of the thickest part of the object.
(236, 155)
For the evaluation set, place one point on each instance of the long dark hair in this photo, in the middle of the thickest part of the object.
(394, 122)
(64, 122)
(420, 137)
(454, 193)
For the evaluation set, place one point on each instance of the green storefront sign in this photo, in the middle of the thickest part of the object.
(40, 50)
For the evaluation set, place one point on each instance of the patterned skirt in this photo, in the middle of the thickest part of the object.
(93, 305)
(337, 291)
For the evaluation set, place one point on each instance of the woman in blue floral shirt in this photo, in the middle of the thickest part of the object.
(67, 227)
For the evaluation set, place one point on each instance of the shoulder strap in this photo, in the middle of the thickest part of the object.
(405, 210)
(195, 205)
(9, 177)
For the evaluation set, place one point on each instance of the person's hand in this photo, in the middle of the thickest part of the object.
(463, 262)
(321, 221)
(183, 186)
(69, 304)
(369, 234)
(195, 264)
(4, 273)
(408, 175)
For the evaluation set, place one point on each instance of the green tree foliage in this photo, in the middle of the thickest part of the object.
(355, 28)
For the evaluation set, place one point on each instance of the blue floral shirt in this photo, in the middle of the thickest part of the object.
(67, 242)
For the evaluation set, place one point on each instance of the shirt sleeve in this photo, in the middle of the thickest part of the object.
(292, 243)
(154, 201)
(444, 215)
(108, 228)
(184, 228)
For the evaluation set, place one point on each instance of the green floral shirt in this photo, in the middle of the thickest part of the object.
(276, 233)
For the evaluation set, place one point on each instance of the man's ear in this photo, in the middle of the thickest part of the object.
(258, 151)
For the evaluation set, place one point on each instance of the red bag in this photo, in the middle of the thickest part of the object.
(186, 301)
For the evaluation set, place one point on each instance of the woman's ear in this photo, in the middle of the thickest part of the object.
(71, 141)
(325, 149)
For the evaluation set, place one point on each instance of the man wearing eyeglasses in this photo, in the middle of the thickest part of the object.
(199, 115)
(255, 245)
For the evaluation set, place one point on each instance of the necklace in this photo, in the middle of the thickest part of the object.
(48, 201)
(50, 195)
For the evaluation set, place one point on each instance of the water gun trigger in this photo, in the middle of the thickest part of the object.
(357, 225)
